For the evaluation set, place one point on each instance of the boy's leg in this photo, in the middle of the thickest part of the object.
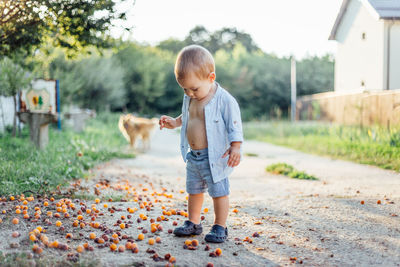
(195, 204)
(221, 209)
(192, 226)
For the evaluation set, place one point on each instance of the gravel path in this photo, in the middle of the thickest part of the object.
(299, 222)
(320, 223)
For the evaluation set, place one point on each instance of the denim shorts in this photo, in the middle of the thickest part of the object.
(199, 177)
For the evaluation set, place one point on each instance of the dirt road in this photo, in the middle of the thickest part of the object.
(299, 222)
(318, 222)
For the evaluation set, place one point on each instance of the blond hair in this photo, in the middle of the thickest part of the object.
(194, 59)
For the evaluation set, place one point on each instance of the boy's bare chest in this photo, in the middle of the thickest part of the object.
(196, 110)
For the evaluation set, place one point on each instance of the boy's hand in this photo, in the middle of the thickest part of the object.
(167, 122)
(234, 154)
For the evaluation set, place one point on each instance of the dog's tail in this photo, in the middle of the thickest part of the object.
(122, 128)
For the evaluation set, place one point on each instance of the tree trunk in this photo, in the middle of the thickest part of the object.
(15, 116)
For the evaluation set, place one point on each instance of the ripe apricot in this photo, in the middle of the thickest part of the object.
(158, 239)
(15, 221)
(58, 223)
(26, 216)
(18, 211)
(195, 242)
(97, 200)
(46, 204)
(205, 210)
(121, 249)
(128, 245)
(378, 202)
(172, 259)
(362, 202)
(68, 235)
(54, 244)
(113, 247)
(188, 242)
(235, 210)
(79, 249)
(122, 226)
(140, 236)
(80, 217)
(32, 238)
(218, 251)
(92, 235)
(151, 241)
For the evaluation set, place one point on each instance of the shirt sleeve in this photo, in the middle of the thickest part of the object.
(232, 120)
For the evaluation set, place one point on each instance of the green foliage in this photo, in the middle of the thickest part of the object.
(23, 167)
(145, 70)
(375, 145)
(288, 170)
(12, 77)
(71, 24)
(140, 78)
(94, 82)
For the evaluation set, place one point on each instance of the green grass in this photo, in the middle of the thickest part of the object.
(23, 168)
(288, 170)
(375, 145)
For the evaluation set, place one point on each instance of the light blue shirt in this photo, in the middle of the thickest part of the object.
(223, 126)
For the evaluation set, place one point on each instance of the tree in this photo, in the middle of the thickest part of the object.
(71, 24)
(12, 78)
(93, 82)
(226, 39)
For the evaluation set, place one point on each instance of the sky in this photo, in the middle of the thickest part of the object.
(283, 27)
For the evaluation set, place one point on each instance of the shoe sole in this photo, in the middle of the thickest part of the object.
(182, 234)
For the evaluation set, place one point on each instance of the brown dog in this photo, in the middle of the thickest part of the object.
(133, 127)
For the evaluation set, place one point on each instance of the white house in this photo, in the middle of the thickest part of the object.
(368, 38)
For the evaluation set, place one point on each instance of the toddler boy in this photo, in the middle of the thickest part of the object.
(212, 128)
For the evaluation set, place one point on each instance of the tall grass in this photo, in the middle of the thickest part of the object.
(374, 145)
(68, 155)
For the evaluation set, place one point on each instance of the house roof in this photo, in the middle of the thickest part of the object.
(383, 9)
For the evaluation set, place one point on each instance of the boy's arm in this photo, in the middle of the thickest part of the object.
(233, 121)
(169, 122)
(179, 120)
(233, 124)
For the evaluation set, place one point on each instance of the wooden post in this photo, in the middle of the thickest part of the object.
(293, 89)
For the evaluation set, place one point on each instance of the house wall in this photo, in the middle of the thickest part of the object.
(394, 63)
(359, 60)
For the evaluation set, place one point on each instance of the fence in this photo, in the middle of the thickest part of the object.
(364, 109)
(6, 112)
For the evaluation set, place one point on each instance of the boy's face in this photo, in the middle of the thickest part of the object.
(198, 88)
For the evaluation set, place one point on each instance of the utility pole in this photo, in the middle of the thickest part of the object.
(293, 89)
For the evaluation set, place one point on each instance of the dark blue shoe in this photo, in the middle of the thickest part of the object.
(188, 229)
(218, 234)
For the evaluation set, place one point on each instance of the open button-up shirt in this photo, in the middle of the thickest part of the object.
(223, 126)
